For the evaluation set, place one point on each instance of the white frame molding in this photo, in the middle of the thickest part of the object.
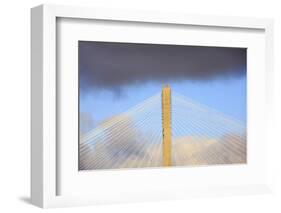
(43, 92)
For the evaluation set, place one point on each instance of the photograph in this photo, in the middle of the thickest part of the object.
(145, 105)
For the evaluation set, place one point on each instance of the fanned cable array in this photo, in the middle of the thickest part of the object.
(204, 136)
(130, 140)
(133, 139)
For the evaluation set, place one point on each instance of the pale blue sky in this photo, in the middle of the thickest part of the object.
(227, 95)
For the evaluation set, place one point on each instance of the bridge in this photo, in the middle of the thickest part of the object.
(167, 129)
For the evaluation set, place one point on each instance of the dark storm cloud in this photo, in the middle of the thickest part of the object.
(106, 65)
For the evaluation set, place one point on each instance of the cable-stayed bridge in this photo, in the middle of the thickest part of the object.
(167, 129)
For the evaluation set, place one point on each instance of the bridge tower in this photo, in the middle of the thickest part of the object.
(166, 126)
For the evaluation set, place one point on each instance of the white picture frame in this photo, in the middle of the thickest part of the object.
(45, 168)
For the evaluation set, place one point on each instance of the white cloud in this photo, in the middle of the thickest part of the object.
(115, 150)
(86, 122)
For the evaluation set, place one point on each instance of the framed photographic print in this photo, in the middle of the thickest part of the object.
(132, 106)
(162, 125)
